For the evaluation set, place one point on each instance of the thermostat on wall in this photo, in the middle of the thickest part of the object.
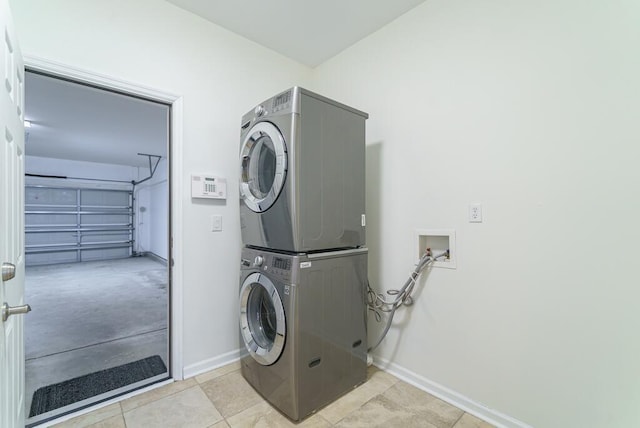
(209, 187)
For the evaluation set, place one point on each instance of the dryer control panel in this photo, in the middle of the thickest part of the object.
(282, 101)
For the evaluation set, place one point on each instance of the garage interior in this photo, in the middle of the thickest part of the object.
(96, 243)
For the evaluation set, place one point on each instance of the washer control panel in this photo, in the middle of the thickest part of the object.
(281, 263)
(280, 266)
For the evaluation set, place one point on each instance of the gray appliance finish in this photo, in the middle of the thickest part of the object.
(303, 325)
(302, 184)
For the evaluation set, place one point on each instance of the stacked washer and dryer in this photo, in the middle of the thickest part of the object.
(303, 271)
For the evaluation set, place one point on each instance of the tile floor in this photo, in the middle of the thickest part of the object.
(221, 398)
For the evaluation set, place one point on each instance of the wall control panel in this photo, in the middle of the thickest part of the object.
(208, 187)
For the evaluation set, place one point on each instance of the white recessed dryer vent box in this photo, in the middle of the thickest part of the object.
(208, 187)
(439, 241)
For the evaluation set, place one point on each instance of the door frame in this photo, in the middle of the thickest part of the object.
(175, 183)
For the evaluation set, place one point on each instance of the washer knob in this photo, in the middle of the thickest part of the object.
(258, 261)
(259, 111)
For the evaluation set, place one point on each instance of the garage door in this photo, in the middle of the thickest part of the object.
(65, 224)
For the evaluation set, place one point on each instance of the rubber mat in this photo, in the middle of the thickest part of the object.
(70, 391)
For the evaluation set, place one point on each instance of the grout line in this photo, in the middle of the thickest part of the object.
(124, 421)
(157, 399)
(96, 344)
(458, 420)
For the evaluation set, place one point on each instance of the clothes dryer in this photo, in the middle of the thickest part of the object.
(303, 325)
(302, 183)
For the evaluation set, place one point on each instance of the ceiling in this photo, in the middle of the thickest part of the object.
(307, 31)
(78, 122)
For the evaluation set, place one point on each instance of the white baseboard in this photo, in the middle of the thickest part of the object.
(211, 364)
(452, 397)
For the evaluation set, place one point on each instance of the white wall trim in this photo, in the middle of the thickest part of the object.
(176, 238)
(211, 363)
(111, 82)
(452, 397)
(176, 169)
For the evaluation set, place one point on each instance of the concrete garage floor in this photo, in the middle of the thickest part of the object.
(92, 316)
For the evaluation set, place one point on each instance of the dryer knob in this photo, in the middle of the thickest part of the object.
(259, 111)
(258, 261)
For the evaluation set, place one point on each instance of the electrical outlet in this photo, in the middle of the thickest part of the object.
(475, 213)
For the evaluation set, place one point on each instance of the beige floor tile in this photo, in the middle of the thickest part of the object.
(201, 402)
(92, 418)
(377, 383)
(380, 380)
(382, 412)
(263, 415)
(313, 421)
(231, 393)
(347, 404)
(220, 371)
(112, 422)
(470, 421)
(156, 394)
(432, 409)
(186, 409)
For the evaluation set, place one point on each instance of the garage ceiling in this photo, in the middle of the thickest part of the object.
(78, 122)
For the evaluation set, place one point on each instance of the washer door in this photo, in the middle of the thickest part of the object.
(264, 166)
(262, 319)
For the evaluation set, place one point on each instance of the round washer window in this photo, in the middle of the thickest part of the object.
(262, 319)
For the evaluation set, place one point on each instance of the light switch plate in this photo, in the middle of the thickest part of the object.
(216, 223)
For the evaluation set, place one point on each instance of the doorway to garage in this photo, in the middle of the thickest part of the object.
(96, 244)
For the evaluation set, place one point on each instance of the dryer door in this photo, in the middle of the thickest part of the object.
(262, 320)
(264, 166)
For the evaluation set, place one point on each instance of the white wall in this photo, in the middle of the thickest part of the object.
(220, 76)
(159, 216)
(152, 211)
(532, 109)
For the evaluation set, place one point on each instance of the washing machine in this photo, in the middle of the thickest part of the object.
(303, 326)
(302, 185)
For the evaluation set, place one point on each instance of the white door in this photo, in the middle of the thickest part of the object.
(11, 226)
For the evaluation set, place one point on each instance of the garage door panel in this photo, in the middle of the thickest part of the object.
(77, 224)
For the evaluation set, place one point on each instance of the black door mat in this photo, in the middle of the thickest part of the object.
(61, 394)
